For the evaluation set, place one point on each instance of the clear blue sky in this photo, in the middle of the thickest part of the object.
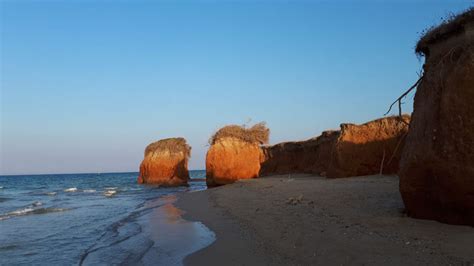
(86, 85)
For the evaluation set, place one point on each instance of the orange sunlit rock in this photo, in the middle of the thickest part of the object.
(165, 163)
(364, 149)
(230, 159)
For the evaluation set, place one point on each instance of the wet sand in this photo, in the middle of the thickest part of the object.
(173, 237)
(157, 235)
(309, 220)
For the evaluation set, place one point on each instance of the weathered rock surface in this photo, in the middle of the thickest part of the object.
(360, 149)
(437, 166)
(230, 159)
(166, 163)
(310, 156)
(235, 153)
(355, 150)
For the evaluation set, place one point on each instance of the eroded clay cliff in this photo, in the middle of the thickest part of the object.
(354, 150)
(367, 149)
(310, 156)
(235, 154)
(437, 166)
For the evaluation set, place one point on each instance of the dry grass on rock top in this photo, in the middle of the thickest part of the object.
(173, 145)
(258, 133)
(455, 24)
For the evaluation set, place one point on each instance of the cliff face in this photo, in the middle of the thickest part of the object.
(360, 149)
(355, 150)
(437, 166)
(310, 156)
(165, 163)
(230, 159)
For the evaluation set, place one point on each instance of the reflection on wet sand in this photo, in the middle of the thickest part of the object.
(154, 235)
(174, 238)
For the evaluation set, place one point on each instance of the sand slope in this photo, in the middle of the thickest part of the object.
(349, 221)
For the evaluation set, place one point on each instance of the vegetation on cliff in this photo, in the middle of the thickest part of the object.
(172, 145)
(258, 133)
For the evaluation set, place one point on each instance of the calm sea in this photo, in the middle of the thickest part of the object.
(90, 219)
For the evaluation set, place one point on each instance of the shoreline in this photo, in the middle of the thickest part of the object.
(172, 236)
(304, 219)
(234, 243)
(156, 234)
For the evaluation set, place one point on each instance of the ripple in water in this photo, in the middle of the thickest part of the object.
(155, 234)
(59, 218)
(2, 199)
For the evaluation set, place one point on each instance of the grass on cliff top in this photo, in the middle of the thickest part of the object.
(449, 26)
(258, 133)
(173, 145)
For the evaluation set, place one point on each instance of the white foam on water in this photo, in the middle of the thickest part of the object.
(16, 213)
(37, 203)
(73, 189)
(30, 210)
(110, 193)
(89, 190)
(51, 193)
(21, 211)
(1, 187)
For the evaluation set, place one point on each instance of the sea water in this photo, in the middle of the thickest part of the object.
(88, 219)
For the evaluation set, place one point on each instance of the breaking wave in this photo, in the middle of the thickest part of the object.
(110, 193)
(31, 209)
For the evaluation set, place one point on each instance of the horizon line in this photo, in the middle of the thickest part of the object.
(83, 173)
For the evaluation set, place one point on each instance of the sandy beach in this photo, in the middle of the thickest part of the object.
(303, 220)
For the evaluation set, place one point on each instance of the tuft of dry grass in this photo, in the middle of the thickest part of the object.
(173, 145)
(451, 25)
(258, 133)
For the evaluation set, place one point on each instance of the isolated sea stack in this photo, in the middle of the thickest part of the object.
(437, 166)
(367, 149)
(166, 163)
(310, 156)
(235, 154)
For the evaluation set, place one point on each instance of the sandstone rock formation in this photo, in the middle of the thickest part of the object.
(166, 163)
(235, 154)
(360, 149)
(355, 150)
(437, 166)
(311, 156)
